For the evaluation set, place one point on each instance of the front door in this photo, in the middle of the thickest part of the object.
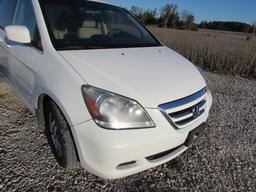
(22, 57)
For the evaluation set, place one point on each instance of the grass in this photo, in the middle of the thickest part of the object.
(215, 51)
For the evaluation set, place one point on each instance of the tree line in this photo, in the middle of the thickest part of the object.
(227, 26)
(169, 17)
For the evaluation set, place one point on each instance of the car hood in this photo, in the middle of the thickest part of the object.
(152, 76)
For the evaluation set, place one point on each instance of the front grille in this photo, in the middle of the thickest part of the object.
(186, 110)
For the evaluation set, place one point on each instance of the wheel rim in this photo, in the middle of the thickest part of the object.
(54, 134)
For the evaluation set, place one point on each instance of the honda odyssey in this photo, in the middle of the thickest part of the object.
(109, 96)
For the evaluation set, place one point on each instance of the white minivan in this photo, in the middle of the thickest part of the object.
(108, 94)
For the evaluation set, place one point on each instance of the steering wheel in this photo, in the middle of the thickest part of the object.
(115, 31)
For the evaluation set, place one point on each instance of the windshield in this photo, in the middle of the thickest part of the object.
(81, 24)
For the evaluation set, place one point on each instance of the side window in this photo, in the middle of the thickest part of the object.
(7, 8)
(25, 16)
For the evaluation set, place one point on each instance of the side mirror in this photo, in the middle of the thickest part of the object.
(18, 34)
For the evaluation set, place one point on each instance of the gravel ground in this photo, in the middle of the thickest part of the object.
(223, 160)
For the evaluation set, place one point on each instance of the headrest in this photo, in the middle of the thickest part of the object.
(89, 24)
(64, 20)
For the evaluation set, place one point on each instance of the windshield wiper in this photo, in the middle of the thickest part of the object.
(87, 47)
(78, 47)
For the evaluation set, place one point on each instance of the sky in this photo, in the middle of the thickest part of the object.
(209, 10)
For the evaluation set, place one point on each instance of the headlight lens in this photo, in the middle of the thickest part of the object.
(112, 111)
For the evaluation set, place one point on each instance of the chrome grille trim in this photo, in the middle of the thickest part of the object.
(180, 117)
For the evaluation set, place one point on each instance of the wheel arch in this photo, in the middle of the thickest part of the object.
(40, 113)
(40, 110)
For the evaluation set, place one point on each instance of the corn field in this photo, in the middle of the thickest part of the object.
(215, 51)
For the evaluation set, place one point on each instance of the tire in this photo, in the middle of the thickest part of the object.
(59, 136)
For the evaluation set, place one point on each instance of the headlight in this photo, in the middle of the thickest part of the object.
(112, 111)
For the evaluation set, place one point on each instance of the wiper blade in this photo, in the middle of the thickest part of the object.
(86, 47)
(70, 47)
(81, 47)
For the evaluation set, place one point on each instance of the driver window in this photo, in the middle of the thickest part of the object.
(25, 16)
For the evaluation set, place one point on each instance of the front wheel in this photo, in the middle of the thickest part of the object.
(59, 136)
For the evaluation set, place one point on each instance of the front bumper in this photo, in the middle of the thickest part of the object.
(114, 154)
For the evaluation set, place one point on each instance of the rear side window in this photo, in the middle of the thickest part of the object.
(7, 8)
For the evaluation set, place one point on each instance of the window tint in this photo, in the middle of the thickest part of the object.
(118, 21)
(80, 24)
(25, 16)
(7, 8)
